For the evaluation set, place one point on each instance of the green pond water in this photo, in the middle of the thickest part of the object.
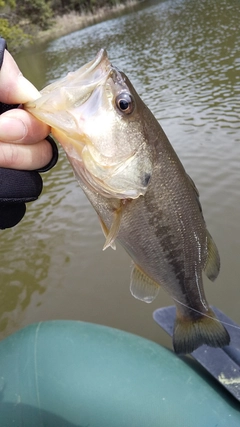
(183, 58)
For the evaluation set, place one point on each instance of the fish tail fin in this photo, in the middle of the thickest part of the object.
(189, 334)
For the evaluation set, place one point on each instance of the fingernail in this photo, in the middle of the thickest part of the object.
(11, 129)
(26, 90)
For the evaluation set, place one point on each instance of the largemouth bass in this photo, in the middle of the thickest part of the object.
(136, 183)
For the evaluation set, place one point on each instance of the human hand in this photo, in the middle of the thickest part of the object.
(24, 149)
(22, 137)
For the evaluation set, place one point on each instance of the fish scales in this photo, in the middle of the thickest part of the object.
(157, 215)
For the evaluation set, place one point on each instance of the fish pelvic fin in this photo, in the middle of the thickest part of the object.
(212, 265)
(190, 334)
(112, 233)
(105, 231)
(142, 286)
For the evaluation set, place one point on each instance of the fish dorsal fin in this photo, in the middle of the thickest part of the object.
(105, 231)
(193, 185)
(142, 286)
(196, 193)
(212, 265)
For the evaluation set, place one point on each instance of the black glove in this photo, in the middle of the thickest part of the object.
(18, 187)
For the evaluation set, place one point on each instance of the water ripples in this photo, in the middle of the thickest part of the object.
(183, 58)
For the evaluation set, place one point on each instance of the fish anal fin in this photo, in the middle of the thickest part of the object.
(142, 286)
(190, 334)
(105, 231)
(212, 265)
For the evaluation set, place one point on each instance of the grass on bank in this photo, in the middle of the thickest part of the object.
(61, 25)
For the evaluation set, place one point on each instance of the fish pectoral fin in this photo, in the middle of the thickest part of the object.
(142, 286)
(105, 231)
(212, 265)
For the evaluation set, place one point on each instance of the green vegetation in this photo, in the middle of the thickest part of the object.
(66, 6)
(21, 21)
(14, 35)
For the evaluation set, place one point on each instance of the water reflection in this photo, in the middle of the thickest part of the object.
(20, 277)
(183, 58)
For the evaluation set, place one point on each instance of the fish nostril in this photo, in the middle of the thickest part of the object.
(146, 179)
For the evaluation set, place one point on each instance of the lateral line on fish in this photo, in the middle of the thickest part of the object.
(206, 315)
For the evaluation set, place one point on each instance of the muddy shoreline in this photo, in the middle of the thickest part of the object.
(71, 22)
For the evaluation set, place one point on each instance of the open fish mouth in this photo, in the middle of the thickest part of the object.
(68, 93)
(90, 75)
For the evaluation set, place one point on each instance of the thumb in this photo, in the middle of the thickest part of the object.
(14, 87)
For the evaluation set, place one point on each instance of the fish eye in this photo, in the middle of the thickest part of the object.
(125, 103)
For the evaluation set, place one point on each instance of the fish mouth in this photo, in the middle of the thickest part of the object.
(92, 74)
(101, 58)
(70, 92)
